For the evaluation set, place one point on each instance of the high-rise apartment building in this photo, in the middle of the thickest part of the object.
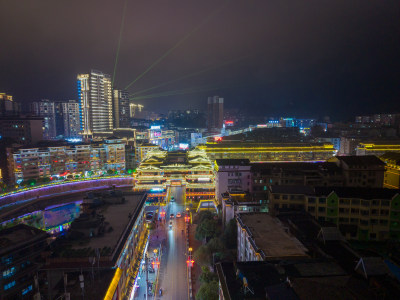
(8, 106)
(70, 112)
(121, 108)
(215, 113)
(95, 102)
(46, 109)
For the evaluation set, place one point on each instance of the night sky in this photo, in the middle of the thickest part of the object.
(302, 58)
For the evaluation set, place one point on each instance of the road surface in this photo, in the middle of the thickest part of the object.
(173, 271)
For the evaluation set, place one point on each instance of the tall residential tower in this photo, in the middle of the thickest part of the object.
(95, 102)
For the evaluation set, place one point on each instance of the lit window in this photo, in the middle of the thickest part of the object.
(9, 285)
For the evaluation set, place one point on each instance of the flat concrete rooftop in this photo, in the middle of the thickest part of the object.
(117, 215)
(270, 236)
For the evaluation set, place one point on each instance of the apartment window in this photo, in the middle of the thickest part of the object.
(384, 212)
(285, 197)
(322, 200)
(355, 202)
(321, 209)
(383, 222)
(311, 200)
(311, 209)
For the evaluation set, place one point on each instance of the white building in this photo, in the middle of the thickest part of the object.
(95, 101)
(232, 175)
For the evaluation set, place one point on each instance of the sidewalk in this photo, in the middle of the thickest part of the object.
(196, 270)
(157, 236)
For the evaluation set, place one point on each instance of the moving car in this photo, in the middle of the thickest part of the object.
(172, 199)
(171, 216)
(170, 225)
(178, 215)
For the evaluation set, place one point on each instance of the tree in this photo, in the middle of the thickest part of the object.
(207, 276)
(208, 291)
(206, 229)
(204, 215)
(203, 255)
(229, 237)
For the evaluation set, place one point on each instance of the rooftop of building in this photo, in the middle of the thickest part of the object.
(300, 279)
(302, 166)
(232, 162)
(358, 192)
(275, 146)
(237, 196)
(269, 236)
(292, 189)
(392, 157)
(357, 161)
(116, 214)
(342, 191)
(18, 236)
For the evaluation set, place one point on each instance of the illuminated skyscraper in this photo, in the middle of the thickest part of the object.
(95, 102)
(215, 113)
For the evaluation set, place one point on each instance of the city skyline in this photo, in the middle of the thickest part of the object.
(316, 58)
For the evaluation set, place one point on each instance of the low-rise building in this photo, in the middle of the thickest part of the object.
(236, 202)
(72, 160)
(262, 237)
(359, 213)
(361, 171)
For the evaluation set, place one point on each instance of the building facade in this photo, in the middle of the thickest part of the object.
(8, 106)
(70, 118)
(95, 102)
(359, 213)
(121, 108)
(191, 170)
(232, 175)
(46, 109)
(215, 113)
(361, 171)
(264, 152)
(64, 161)
(24, 130)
